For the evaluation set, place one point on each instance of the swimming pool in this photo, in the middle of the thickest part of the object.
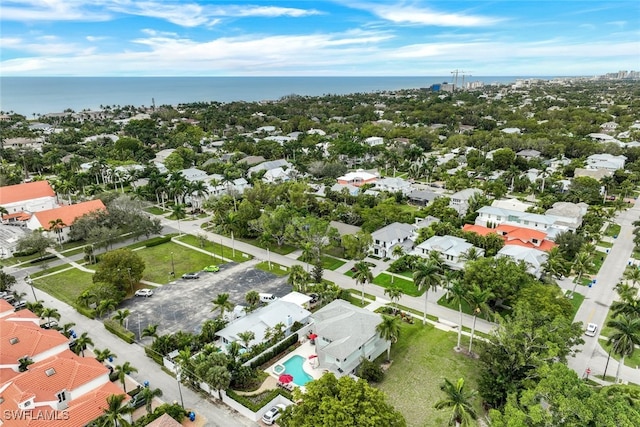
(293, 367)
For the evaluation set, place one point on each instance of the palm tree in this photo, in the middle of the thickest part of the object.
(179, 212)
(397, 251)
(66, 329)
(362, 275)
(628, 304)
(48, 313)
(477, 299)
(81, 343)
(116, 411)
(222, 302)
(459, 401)
(456, 293)
(298, 278)
(624, 338)
(389, 330)
(102, 355)
(427, 277)
(199, 190)
(246, 337)
(106, 306)
(471, 255)
(252, 298)
(148, 394)
(556, 265)
(57, 225)
(122, 371)
(632, 273)
(150, 331)
(121, 315)
(35, 307)
(581, 265)
(394, 293)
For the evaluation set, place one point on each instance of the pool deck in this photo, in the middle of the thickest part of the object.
(305, 350)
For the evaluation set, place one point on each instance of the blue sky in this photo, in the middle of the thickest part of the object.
(317, 38)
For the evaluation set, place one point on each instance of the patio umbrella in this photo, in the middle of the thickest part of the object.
(312, 336)
(313, 356)
(285, 378)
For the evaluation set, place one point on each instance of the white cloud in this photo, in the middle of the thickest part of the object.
(50, 10)
(403, 14)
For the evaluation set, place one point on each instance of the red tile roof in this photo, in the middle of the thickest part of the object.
(478, 229)
(5, 308)
(68, 214)
(164, 421)
(28, 338)
(27, 191)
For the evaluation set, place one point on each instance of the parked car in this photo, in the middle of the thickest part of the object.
(212, 268)
(191, 276)
(592, 328)
(19, 305)
(144, 292)
(137, 401)
(52, 324)
(273, 414)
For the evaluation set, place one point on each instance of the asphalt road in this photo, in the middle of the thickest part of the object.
(598, 299)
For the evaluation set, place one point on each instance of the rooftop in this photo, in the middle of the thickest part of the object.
(26, 191)
(68, 214)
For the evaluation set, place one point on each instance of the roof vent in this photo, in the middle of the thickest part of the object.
(50, 372)
(14, 340)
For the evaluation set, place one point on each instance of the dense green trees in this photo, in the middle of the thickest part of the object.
(120, 268)
(344, 401)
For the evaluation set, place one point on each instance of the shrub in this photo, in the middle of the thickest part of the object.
(24, 253)
(274, 351)
(88, 312)
(115, 328)
(370, 371)
(152, 354)
(44, 258)
(157, 241)
(254, 403)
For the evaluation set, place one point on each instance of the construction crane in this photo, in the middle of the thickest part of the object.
(455, 73)
(463, 76)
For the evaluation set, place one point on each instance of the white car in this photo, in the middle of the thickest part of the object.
(592, 328)
(273, 414)
(144, 293)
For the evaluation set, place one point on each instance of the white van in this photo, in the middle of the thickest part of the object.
(267, 298)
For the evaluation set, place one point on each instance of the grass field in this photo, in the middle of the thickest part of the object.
(282, 250)
(407, 286)
(604, 244)
(576, 301)
(422, 358)
(275, 268)
(613, 230)
(598, 260)
(65, 286)
(217, 248)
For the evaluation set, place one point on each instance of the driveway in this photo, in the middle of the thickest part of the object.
(183, 305)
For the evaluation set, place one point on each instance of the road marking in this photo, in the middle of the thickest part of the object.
(593, 311)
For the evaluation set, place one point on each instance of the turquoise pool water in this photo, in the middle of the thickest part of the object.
(293, 367)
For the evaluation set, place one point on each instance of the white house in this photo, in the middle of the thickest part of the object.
(453, 250)
(357, 178)
(266, 166)
(21, 200)
(460, 200)
(345, 335)
(391, 235)
(606, 161)
(67, 214)
(533, 258)
(260, 320)
(372, 141)
(512, 204)
(393, 185)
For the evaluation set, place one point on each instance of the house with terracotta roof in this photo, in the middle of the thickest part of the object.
(68, 215)
(21, 200)
(65, 389)
(357, 178)
(514, 235)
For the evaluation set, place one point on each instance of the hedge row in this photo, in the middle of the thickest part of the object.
(152, 354)
(115, 328)
(274, 351)
(44, 258)
(24, 253)
(157, 241)
(266, 397)
(88, 312)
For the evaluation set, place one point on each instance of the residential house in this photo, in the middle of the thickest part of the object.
(606, 161)
(344, 229)
(528, 154)
(21, 200)
(276, 175)
(393, 185)
(534, 259)
(452, 249)
(514, 235)
(346, 334)
(372, 141)
(489, 216)
(297, 298)
(512, 204)
(422, 197)
(340, 188)
(252, 160)
(568, 214)
(9, 237)
(460, 200)
(68, 215)
(391, 235)
(266, 166)
(357, 178)
(264, 318)
(592, 173)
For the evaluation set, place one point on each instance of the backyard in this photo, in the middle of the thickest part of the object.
(422, 358)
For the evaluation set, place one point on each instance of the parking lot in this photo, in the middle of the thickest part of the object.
(185, 304)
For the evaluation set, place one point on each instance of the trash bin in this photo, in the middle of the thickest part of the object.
(192, 416)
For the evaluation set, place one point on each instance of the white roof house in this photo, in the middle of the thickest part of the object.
(258, 321)
(453, 249)
(606, 161)
(393, 185)
(391, 235)
(297, 298)
(357, 178)
(194, 174)
(265, 166)
(460, 200)
(374, 140)
(533, 258)
(346, 334)
(512, 204)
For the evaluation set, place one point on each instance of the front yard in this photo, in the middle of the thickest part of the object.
(422, 358)
(66, 285)
(407, 286)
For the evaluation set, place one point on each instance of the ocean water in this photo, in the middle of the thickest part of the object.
(42, 95)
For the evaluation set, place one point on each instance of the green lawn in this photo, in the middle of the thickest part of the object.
(331, 263)
(598, 259)
(604, 244)
(217, 248)
(422, 358)
(349, 273)
(65, 286)
(576, 301)
(359, 292)
(465, 306)
(613, 230)
(275, 268)
(282, 250)
(632, 362)
(155, 210)
(357, 300)
(158, 261)
(407, 286)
